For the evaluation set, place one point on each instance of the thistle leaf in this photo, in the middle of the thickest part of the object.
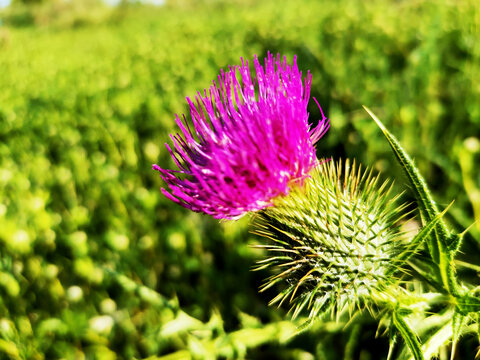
(458, 322)
(408, 336)
(439, 244)
(468, 304)
(426, 204)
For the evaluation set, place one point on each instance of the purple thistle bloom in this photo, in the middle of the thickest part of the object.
(250, 142)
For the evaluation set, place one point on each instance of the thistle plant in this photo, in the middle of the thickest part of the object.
(332, 230)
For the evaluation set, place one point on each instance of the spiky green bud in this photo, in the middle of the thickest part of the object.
(334, 240)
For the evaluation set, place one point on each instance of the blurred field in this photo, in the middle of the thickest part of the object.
(96, 264)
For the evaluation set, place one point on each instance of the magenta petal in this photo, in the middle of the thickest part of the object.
(250, 140)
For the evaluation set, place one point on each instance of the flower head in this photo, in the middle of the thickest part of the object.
(335, 241)
(250, 141)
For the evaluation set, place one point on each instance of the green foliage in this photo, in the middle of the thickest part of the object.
(56, 13)
(95, 263)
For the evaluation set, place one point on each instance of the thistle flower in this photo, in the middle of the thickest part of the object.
(250, 141)
(334, 241)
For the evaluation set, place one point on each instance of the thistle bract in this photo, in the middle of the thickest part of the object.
(334, 240)
(250, 141)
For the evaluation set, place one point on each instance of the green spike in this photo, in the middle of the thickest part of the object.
(455, 240)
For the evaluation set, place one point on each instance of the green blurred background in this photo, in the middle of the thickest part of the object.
(96, 264)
